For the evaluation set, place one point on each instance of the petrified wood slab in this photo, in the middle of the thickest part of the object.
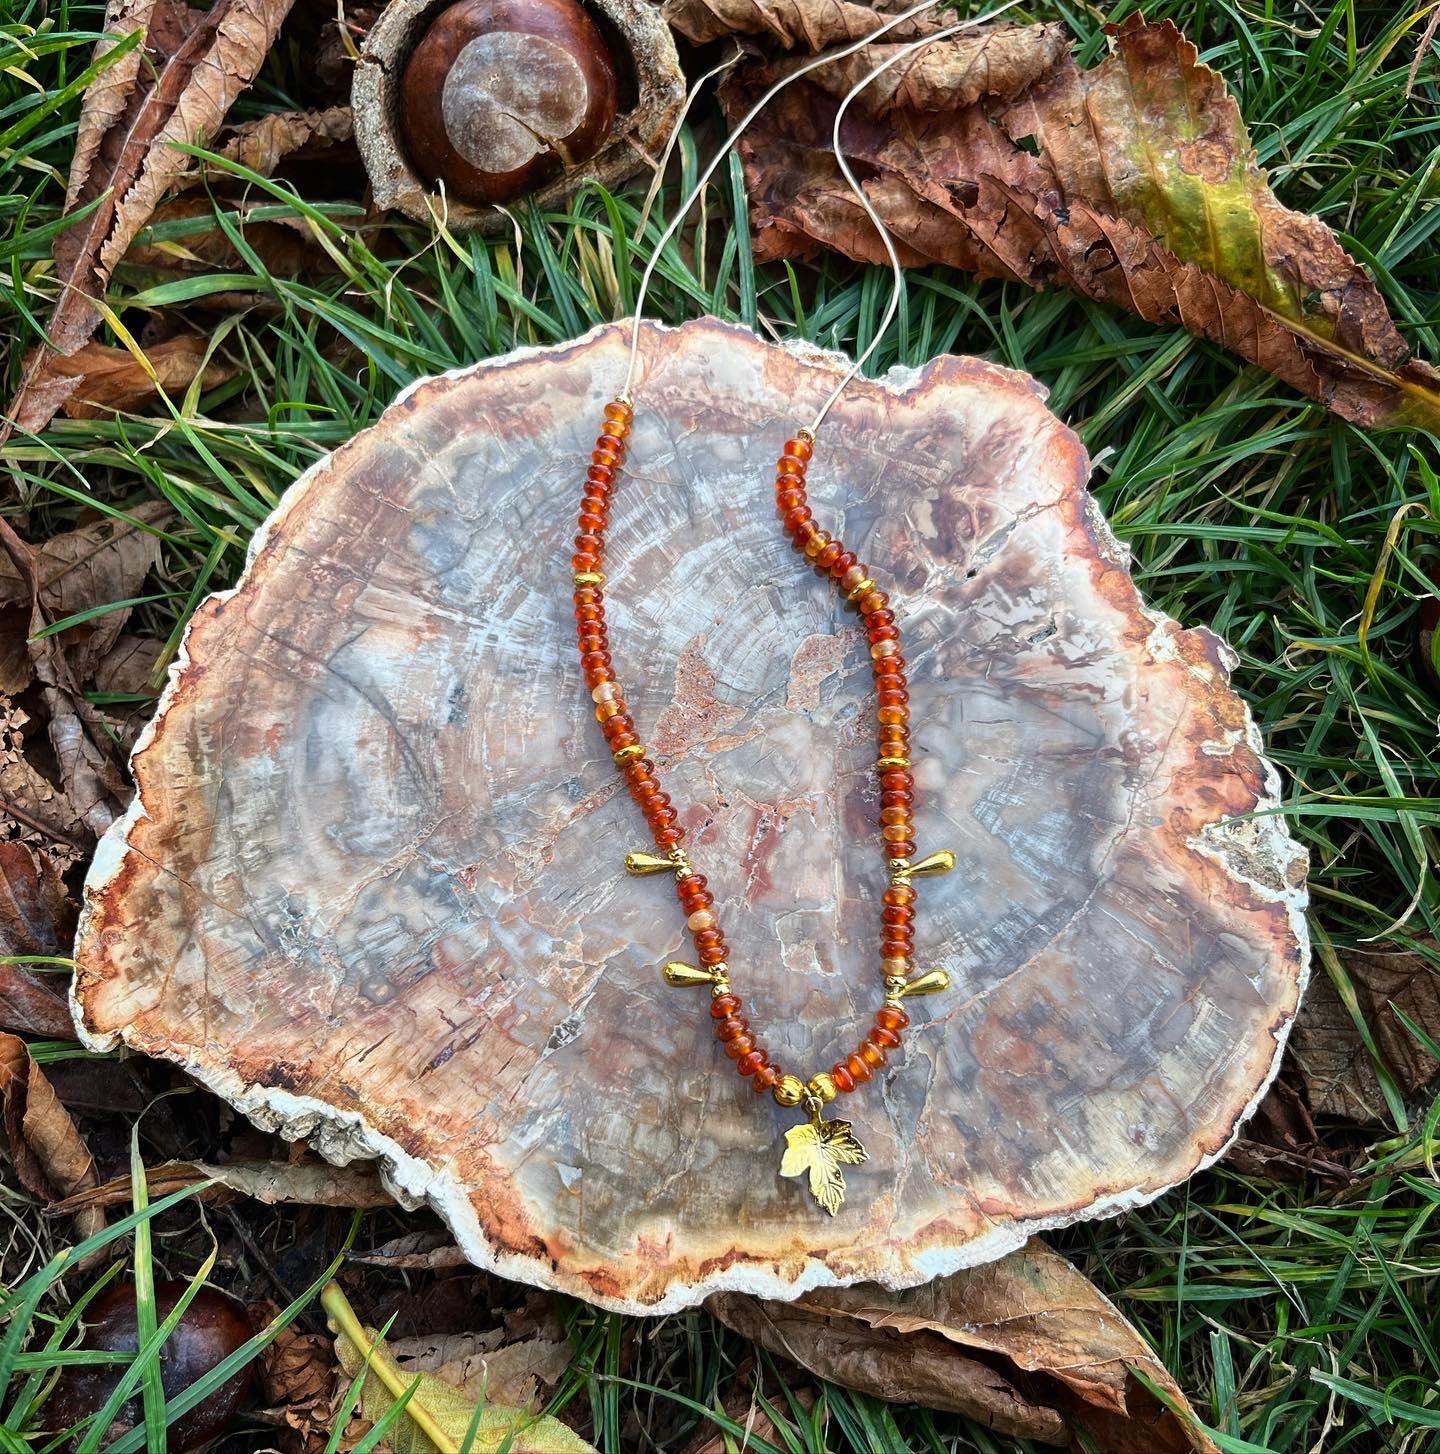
(371, 887)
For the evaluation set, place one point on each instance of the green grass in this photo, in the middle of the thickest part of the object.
(1296, 1320)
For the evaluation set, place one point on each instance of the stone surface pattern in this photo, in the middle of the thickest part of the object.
(371, 887)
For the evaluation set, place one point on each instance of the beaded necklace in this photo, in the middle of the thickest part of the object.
(817, 1147)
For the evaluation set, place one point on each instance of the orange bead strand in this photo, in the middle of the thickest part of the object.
(832, 559)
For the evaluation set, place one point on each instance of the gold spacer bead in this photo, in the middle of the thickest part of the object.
(895, 984)
(883, 764)
(721, 975)
(823, 1087)
(790, 1091)
(862, 589)
(633, 753)
(589, 577)
(808, 435)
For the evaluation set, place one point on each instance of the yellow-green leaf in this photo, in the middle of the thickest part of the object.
(437, 1418)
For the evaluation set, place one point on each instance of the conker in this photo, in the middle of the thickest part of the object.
(499, 96)
(211, 1328)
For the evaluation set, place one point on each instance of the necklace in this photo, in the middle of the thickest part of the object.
(817, 1146)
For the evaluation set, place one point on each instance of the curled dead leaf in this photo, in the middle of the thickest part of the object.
(153, 98)
(50, 1157)
(1327, 1046)
(1133, 183)
(112, 380)
(37, 917)
(1026, 1345)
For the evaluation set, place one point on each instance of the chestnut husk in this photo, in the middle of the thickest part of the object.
(651, 91)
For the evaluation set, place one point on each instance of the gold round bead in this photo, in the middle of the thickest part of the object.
(823, 1087)
(589, 577)
(790, 1091)
(633, 753)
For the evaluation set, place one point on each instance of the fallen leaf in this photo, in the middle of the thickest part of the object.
(99, 562)
(493, 1364)
(428, 1251)
(112, 380)
(173, 90)
(1327, 1046)
(438, 1416)
(49, 1155)
(129, 666)
(37, 917)
(1025, 1345)
(1280, 1140)
(310, 1184)
(262, 144)
(808, 25)
(297, 1381)
(42, 813)
(1133, 183)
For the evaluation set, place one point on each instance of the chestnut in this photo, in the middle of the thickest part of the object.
(499, 96)
(211, 1328)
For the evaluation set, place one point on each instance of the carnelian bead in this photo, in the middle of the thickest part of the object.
(827, 557)
(740, 1045)
(879, 618)
(885, 633)
(899, 894)
(670, 837)
(844, 1081)
(606, 457)
(766, 1077)
(597, 661)
(891, 666)
(606, 710)
(885, 1039)
(893, 716)
(707, 936)
(872, 1054)
(795, 518)
(892, 694)
(600, 474)
(583, 560)
(747, 1065)
(787, 500)
(716, 955)
(842, 567)
(896, 798)
(901, 850)
(788, 464)
(731, 1026)
(894, 815)
(590, 522)
(895, 967)
(897, 780)
(611, 442)
(804, 532)
(891, 1017)
(872, 601)
(901, 914)
(858, 1069)
(800, 448)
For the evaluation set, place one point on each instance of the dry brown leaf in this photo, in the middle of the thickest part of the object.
(807, 25)
(1001, 61)
(98, 562)
(298, 1383)
(111, 380)
(1280, 1141)
(50, 1158)
(482, 1365)
(1329, 1052)
(1145, 194)
(428, 1251)
(1026, 1345)
(173, 90)
(262, 144)
(286, 247)
(43, 815)
(37, 916)
(313, 1184)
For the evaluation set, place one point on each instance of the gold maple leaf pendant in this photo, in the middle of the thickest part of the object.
(822, 1147)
